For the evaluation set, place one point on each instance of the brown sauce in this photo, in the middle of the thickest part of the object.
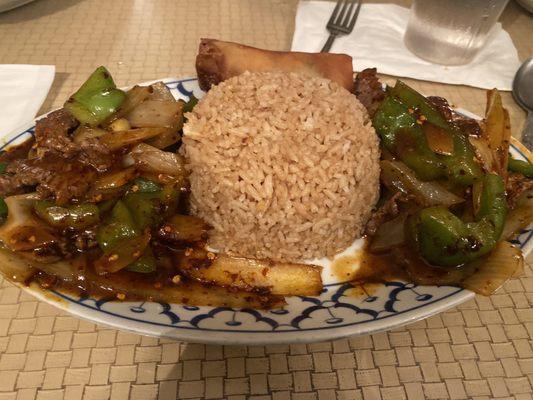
(369, 270)
(15, 152)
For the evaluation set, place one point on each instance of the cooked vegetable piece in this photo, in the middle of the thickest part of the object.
(115, 179)
(483, 152)
(522, 167)
(397, 176)
(14, 267)
(77, 216)
(122, 253)
(145, 264)
(22, 230)
(135, 96)
(185, 293)
(439, 141)
(3, 208)
(165, 140)
(149, 203)
(120, 124)
(488, 274)
(444, 239)
(3, 167)
(183, 228)
(260, 276)
(402, 136)
(150, 159)
(116, 140)
(107, 205)
(389, 234)
(190, 104)
(161, 92)
(399, 120)
(519, 217)
(497, 132)
(155, 113)
(146, 186)
(97, 99)
(120, 226)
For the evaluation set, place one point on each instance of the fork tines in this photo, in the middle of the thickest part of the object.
(343, 16)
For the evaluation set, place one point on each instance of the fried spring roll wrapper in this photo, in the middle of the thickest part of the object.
(217, 61)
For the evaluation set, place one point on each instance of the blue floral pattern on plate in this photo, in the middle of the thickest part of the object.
(336, 313)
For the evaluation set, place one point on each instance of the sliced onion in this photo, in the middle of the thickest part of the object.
(161, 92)
(397, 176)
(389, 235)
(488, 274)
(153, 113)
(150, 159)
(22, 229)
(165, 139)
(483, 152)
(14, 267)
(116, 140)
(115, 179)
(518, 218)
(477, 191)
(135, 96)
(497, 131)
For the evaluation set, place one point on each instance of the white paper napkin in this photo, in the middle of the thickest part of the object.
(377, 41)
(23, 89)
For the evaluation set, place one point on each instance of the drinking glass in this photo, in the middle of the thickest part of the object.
(451, 32)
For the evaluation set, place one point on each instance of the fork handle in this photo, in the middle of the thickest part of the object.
(329, 42)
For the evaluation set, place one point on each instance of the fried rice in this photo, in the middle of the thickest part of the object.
(282, 165)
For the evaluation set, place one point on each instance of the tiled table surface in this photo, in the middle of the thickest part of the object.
(482, 349)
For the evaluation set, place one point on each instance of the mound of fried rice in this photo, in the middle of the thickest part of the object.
(283, 166)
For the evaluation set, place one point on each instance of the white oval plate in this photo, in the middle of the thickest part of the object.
(334, 314)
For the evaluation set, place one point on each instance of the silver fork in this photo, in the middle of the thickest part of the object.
(342, 20)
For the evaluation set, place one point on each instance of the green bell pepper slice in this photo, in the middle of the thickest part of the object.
(397, 124)
(76, 216)
(119, 227)
(144, 185)
(522, 167)
(444, 239)
(145, 264)
(97, 99)
(402, 136)
(150, 202)
(190, 104)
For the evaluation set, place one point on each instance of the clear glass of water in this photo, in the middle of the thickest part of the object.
(451, 32)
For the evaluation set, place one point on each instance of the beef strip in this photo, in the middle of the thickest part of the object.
(52, 135)
(442, 106)
(368, 89)
(52, 175)
(516, 185)
(60, 168)
(388, 210)
(466, 125)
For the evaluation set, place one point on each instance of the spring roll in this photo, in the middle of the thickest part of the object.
(217, 61)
